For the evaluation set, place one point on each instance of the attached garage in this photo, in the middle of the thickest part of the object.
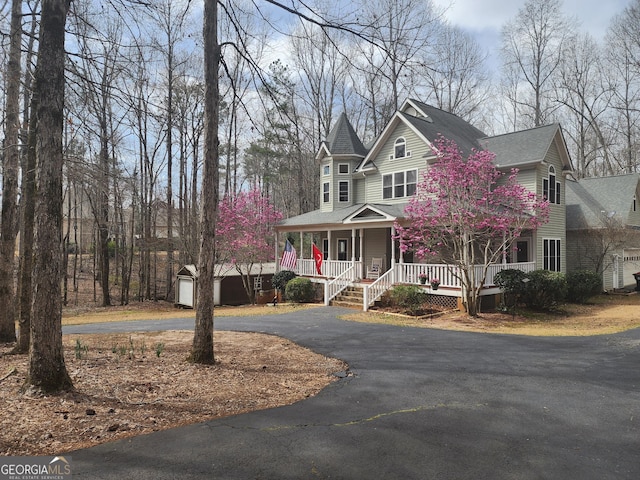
(630, 265)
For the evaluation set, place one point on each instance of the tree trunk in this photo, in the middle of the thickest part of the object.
(47, 370)
(10, 180)
(202, 349)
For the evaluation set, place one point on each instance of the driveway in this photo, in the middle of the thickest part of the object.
(421, 404)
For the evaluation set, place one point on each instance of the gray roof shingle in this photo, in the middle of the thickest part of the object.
(343, 140)
(589, 199)
(521, 148)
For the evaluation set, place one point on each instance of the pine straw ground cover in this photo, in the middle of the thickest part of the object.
(132, 384)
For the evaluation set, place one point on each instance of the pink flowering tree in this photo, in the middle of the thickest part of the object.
(468, 214)
(244, 235)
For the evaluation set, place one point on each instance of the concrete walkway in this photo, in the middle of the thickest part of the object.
(422, 404)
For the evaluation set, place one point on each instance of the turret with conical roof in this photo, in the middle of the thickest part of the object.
(338, 156)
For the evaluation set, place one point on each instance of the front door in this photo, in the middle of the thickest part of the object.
(522, 251)
(342, 248)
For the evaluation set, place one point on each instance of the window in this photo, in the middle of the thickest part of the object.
(400, 149)
(326, 170)
(343, 169)
(343, 191)
(325, 192)
(399, 184)
(551, 254)
(635, 203)
(550, 187)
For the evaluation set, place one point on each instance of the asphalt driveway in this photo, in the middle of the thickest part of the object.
(421, 404)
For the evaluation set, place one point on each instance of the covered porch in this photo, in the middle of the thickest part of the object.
(359, 249)
(338, 275)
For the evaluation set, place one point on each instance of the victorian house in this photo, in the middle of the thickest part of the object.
(364, 190)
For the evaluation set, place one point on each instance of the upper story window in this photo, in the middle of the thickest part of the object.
(325, 192)
(400, 149)
(343, 191)
(399, 184)
(343, 169)
(326, 170)
(551, 187)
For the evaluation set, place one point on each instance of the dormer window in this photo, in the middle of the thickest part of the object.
(635, 203)
(551, 187)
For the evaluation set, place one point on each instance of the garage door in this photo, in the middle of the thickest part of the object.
(630, 265)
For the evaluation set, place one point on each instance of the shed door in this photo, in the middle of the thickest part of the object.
(185, 291)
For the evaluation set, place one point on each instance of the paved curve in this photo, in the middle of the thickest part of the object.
(422, 404)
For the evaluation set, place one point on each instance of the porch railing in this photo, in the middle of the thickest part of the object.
(448, 274)
(330, 268)
(373, 292)
(335, 286)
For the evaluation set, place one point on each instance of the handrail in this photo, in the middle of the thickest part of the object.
(338, 284)
(373, 292)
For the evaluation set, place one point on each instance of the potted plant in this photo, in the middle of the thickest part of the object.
(423, 278)
(435, 283)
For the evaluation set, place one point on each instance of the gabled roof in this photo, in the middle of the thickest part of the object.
(592, 200)
(342, 140)
(428, 123)
(362, 212)
(526, 147)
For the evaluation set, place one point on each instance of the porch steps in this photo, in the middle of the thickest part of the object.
(351, 297)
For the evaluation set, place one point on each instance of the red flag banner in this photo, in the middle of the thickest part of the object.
(317, 256)
(289, 257)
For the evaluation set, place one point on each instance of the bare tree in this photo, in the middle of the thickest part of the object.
(400, 34)
(532, 46)
(202, 348)
(455, 73)
(585, 91)
(11, 160)
(623, 64)
(47, 371)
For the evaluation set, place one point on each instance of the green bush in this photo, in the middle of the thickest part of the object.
(409, 297)
(582, 285)
(544, 289)
(281, 278)
(299, 290)
(511, 281)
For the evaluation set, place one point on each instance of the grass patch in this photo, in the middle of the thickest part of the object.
(161, 311)
(605, 314)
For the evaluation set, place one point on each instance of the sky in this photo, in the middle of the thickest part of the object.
(485, 18)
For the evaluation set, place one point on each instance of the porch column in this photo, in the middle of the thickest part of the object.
(353, 252)
(393, 253)
(277, 269)
(361, 253)
(329, 253)
(301, 245)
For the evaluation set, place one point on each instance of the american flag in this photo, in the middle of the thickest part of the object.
(289, 257)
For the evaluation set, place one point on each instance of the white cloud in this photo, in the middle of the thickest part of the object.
(481, 15)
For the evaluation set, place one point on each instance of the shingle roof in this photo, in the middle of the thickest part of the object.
(338, 216)
(521, 148)
(343, 140)
(589, 199)
(446, 124)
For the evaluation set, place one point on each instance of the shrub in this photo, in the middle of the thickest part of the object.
(511, 281)
(582, 285)
(544, 289)
(299, 290)
(409, 297)
(281, 278)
